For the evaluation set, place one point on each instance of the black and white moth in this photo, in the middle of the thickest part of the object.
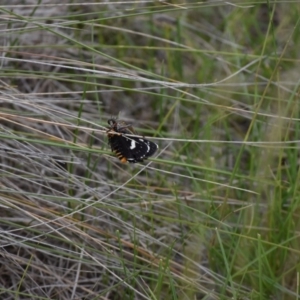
(131, 149)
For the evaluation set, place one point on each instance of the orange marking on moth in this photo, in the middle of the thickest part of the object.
(123, 160)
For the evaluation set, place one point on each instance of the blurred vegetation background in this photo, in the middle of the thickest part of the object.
(215, 214)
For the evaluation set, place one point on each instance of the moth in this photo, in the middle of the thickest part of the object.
(131, 149)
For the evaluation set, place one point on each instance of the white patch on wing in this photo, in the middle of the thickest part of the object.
(132, 144)
(145, 143)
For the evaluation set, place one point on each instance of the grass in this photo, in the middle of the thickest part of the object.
(214, 215)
